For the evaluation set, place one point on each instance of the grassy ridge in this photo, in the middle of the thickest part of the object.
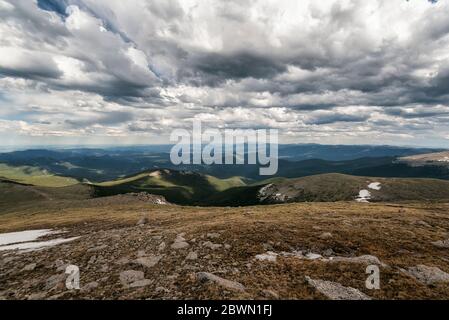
(191, 188)
(176, 186)
(34, 176)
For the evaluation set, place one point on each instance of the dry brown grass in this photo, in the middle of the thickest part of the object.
(400, 235)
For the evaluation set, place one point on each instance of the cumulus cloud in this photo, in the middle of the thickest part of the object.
(326, 71)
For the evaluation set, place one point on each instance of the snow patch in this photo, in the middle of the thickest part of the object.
(23, 236)
(26, 240)
(364, 196)
(31, 246)
(374, 186)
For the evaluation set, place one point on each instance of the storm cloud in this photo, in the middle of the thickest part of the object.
(347, 71)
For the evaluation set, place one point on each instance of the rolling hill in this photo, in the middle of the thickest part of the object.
(181, 187)
(333, 187)
(14, 194)
(27, 184)
(34, 176)
(295, 160)
(428, 159)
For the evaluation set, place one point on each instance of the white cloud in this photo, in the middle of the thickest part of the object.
(332, 70)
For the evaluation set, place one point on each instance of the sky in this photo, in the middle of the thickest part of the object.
(130, 72)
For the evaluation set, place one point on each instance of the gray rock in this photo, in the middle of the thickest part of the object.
(228, 284)
(143, 221)
(104, 268)
(211, 245)
(270, 294)
(313, 256)
(336, 291)
(192, 255)
(29, 267)
(428, 275)
(365, 259)
(55, 282)
(122, 261)
(162, 290)
(130, 276)
(269, 256)
(424, 224)
(141, 253)
(179, 245)
(141, 283)
(37, 296)
(149, 261)
(213, 235)
(97, 248)
(443, 244)
(162, 246)
(326, 235)
(90, 286)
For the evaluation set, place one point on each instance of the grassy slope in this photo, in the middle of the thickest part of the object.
(337, 187)
(34, 176)
(14, 195)
(175, 186)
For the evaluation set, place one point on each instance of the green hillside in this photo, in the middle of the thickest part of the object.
(14, 194)
(34, 176)
(333, 187)
(183, 187)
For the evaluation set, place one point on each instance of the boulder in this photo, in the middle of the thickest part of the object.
(227, 284)
(428, 275)
(336, 291)
(130, 276)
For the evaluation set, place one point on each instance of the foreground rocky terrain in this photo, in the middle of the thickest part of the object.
(140, 250)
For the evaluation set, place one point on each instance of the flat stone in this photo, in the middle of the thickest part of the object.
(443, 244)
(123, 260)
(326, 235)
(162, 246)
(336, 291)
(29, 267)
(162, 290)
(365, 259)
(55, 282)
(212, 246)
(142, 221)
(179, 245)
(269, 256)
(141, 283)
(130, 276)
(313, 256)
(227, 284)
(192, 256)
(97, 248)
(37, 296)
(148, 262)
(90, 286)
(428, 275)
(270, 294)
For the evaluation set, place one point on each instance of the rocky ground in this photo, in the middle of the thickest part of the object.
(293, 251)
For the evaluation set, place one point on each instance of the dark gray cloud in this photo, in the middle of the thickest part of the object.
(214, 68)
(330, 117)
(296, 66)
(110, 118)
